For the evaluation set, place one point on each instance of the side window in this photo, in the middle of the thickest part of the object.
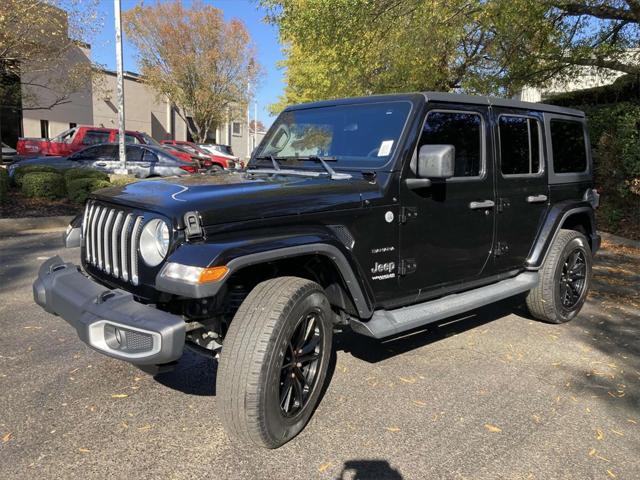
(568, 146)
(149, 156)
(519, 145)
(463, 130)
(105, 151)
(134, 154)
(93, 137)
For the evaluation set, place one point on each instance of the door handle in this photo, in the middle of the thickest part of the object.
(536, 198)
(101, 164)
(484, 204)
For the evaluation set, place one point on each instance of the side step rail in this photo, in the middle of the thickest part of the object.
(385, 323)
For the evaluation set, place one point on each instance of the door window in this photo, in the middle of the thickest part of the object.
(149, 156)
(519, 145)
(100, 151)
(568, 146)
(134, 154)
(93, 137)
(463, 130)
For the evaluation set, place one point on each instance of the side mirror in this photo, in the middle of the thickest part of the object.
(433, 162)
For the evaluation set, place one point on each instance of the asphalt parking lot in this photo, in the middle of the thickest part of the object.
(493, 394)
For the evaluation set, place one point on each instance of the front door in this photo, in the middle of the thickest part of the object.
(521, 184)
(447, 229)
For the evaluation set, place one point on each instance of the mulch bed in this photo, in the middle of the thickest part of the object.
(19, 206)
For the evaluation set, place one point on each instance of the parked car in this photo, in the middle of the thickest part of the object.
(143, 161)
(222, 151)
(8, 154)
(218, 161)
(380, 214)
(76, 139)
(203, 161)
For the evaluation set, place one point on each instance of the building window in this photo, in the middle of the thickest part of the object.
(44, 128)
(236, 129)
(519, 145)
(73, 124)
(568, 145)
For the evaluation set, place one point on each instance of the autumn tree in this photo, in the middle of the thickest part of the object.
(41, 57)
(357, 47)
(192, 56)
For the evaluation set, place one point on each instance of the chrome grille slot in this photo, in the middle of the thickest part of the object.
(114, 244)
(107, 240)
(111, 238)
(135, 237)
(123, 247)
(99, 238)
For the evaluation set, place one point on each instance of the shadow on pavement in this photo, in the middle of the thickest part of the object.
(372, 350)
(368, 470)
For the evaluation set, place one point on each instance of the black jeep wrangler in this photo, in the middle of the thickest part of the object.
(381, 214)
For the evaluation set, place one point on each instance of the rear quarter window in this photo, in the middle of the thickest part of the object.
(568, 146)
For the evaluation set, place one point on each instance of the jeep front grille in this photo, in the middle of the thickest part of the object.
(111, 239)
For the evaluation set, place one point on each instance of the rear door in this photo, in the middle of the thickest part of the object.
(521, 183)
(447, 229)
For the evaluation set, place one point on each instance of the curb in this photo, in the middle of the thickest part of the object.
(30, 225)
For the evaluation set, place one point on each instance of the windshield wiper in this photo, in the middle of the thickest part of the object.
(323, 161)
(274, 162)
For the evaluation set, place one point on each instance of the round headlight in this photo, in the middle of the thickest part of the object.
(154, 242)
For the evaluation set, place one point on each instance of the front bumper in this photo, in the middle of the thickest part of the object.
(109, 321)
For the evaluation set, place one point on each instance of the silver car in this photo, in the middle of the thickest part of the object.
(143, 161)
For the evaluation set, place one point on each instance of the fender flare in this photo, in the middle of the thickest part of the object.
(552, 226)
(334, 254)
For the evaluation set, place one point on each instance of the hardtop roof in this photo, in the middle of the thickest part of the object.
(448, 98)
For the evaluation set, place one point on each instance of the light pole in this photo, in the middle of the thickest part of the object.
(120, 87)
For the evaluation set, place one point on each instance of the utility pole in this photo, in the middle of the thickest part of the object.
(255, 124)
(120, 87)
(248, 120)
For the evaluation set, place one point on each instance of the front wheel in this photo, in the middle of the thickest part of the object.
(274, 361)
(565, 278)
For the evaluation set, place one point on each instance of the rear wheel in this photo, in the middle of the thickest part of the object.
(565, 278)
(274, 361)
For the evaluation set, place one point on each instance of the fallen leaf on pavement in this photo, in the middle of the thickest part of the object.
(324, 466)
(599, 434)
(492, 428)
(631, 420)
(6, 437)
(393, 429)
(145, 427)
(420, 403)
(119, 395)
(611, 474)
(617, 432)
(408, 380)
(84, 450)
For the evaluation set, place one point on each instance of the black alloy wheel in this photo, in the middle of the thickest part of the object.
(299, 372)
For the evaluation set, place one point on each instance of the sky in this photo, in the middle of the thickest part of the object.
(264, 36)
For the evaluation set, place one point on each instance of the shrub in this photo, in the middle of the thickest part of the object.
(75, 173)
(43, 185)
(20, 172)
(4, 184)
(80, 188)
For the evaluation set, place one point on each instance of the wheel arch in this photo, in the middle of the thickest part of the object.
(320, 257)
(577, 216)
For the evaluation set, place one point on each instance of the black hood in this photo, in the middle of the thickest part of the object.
(231, 197)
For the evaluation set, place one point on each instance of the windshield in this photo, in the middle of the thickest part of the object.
(150, 140)
(354, 135)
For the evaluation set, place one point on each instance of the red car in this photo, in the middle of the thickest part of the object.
(182, 154)
(75, 139)
(217, 160)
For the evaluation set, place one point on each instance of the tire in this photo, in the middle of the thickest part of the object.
(253, 377)
(553, 300)
(215, 168)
